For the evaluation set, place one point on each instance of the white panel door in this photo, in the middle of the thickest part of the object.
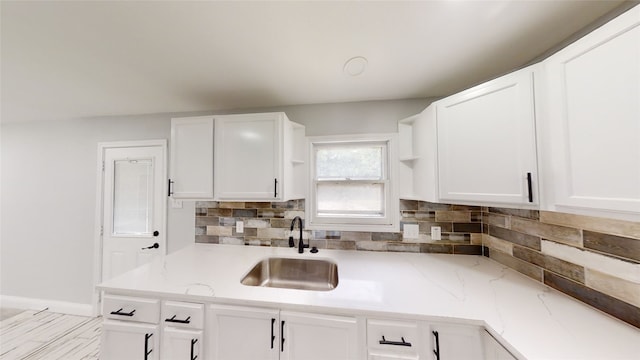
(191, 164)
(248, 157)
(133, 226)
(457, 342)
(594, 119)
(317, 337)
(131, 341)
(487, 143)
(242, 333)
(180, 344)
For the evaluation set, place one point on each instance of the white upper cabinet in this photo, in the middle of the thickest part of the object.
(418, 156)
(259, 157)
(592, 128)
(487, 143)
(191, 163)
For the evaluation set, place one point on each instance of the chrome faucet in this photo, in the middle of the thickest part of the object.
(301, 244)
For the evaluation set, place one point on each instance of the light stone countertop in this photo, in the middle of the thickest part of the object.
(529, 317)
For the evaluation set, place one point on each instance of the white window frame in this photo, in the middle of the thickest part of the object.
(390, 222)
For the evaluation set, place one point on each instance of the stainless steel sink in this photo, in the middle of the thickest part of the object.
(306, 274)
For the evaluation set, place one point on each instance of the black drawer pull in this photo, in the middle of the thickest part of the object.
(174, 320)
(396, 343)
(193, 343)
(119, 312)
(146, 346)
(436, 351)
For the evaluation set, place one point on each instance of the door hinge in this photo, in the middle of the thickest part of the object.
(103, 166)
(101, 230)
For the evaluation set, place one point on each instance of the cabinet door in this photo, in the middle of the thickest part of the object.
(317, 337)
(180, 344)
(131, 341)
(486, 142)
(457, 342)
(493, 350)
(191, 166)
(594, 119)
(248, 157)
(241, 333)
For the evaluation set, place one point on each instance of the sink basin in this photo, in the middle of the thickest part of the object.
(305, 274)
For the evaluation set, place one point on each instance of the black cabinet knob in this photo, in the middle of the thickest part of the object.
(156, 233)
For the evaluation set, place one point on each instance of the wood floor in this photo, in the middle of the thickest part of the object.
(45, 335)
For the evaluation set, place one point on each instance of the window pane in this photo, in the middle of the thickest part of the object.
(132, 197)
(349, 162)
(351, 199)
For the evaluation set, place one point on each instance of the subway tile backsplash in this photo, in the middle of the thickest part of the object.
(594, 260)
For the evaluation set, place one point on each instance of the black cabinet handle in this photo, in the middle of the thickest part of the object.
(119, 312)
(174, 320)
(282, 336)
(273, 336)
(154, 246)
(193, 343)
(275, 188)
(436, 351)
(529, 187)
(169, 192)
(396, 343)
(146, 346)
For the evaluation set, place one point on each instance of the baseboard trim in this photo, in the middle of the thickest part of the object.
(56, 306)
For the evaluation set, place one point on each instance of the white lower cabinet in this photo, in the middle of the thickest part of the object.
(242, 333)
(493, 350)
(180, 344)
(130, 329)
(182, 332)
(249, 333)
(129, 340)
(388, 339)
(317, 337)
(150, 329)
(457, 342)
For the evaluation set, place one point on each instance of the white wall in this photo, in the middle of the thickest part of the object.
(48, 202)
(48, 189)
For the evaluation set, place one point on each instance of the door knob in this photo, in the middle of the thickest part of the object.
(154, 246)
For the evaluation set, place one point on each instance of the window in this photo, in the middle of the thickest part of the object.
(352, 183)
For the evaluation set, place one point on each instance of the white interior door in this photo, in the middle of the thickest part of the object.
(133, 226)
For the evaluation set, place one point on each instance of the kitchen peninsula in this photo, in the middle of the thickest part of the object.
(530, 319)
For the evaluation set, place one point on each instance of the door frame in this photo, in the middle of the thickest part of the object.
(98, 245)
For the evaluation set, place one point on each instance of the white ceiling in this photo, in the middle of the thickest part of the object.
(82, 59)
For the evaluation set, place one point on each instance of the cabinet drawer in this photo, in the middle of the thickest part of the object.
(182, 314)
(396, 337)
(131, 309)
